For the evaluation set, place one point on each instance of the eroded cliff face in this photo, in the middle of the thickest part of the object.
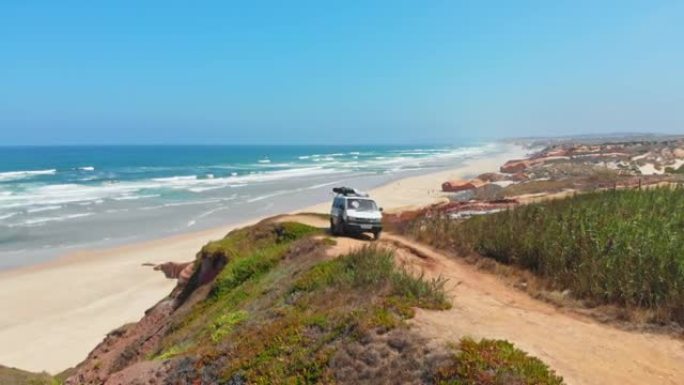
(123, 356)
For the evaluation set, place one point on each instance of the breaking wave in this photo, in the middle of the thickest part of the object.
(17, 175)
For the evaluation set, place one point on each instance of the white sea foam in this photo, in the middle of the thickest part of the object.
(180, 204)
(112, 211)
(135, 197)
(17, 175)
(87, 168)
(267, 196)
(8, 215)
(203, 189)
(193, 221)
(42, 220)
(43, 208)
(323, 185)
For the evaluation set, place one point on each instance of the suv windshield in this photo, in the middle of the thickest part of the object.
(361, 204)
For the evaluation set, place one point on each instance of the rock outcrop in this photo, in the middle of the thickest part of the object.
(515, 166)
(180, 271)
(461, 185)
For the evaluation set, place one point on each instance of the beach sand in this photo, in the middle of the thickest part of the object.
(54, 313)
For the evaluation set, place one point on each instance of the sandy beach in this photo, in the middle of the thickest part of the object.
(54, 313)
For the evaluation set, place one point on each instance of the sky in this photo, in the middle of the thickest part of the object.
(348, 72)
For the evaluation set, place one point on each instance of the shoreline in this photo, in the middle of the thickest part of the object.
(56, 311)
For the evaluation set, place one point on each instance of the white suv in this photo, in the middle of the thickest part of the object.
(353, 212)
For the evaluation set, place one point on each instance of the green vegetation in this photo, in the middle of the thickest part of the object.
(225, 323)
(252, 253)
(538, 186)
(672, 170)
(490, 362)
(623, 247)
(370, 268)
(332, 303)
(282, 312)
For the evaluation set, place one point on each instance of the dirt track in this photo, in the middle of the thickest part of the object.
(580, 349)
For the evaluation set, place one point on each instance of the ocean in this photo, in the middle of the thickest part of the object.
(58, 199)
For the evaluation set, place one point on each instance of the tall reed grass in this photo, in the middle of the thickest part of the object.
(620, 247)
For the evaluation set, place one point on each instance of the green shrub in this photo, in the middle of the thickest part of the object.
(329, 303)
(373, 267)
(253, 251)
(494, 362)
(224, 324)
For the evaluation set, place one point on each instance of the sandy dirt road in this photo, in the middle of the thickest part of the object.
(578, 348)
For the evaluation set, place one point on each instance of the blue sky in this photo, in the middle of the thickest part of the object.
(336, 71)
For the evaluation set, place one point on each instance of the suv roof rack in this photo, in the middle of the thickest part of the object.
(348, 191)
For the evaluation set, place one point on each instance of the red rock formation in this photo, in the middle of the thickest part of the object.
(180, 271)
(558, 152)
(461, 185)
(515, 166)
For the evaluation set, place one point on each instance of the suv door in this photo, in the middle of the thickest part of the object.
(335, 209)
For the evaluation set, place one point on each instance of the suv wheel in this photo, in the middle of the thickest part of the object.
(376, 234)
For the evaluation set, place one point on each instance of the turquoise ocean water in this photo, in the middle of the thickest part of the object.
(57, 199)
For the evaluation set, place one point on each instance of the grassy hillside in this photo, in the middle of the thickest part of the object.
(281, 311)
(623, 247)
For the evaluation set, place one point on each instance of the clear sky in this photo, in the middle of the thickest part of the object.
(336, 71)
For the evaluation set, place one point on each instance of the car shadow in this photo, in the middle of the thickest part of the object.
(360, 236)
